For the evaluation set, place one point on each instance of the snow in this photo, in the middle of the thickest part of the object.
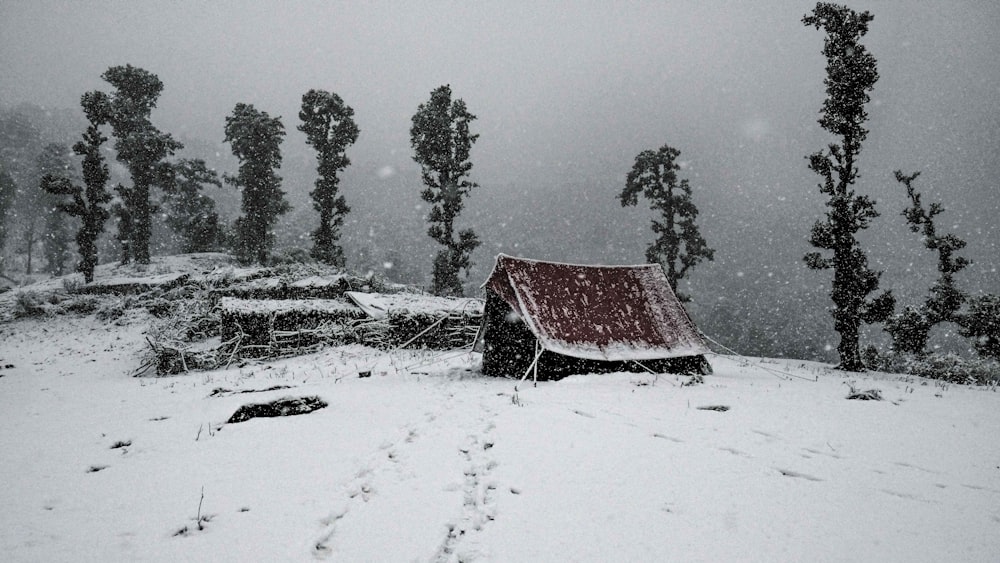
(261, 284)
(620, 351)
(316, 282)
(154, 280)
(379, 305)
(429, 460)
(277, 306)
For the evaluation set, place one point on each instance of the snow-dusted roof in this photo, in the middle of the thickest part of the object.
(612, 313)
(378, 305)
(235, 305)
(153, 280)
(317, 281)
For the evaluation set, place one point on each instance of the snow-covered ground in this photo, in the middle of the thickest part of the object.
(427, 460)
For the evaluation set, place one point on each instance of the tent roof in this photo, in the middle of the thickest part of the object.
(612, 313)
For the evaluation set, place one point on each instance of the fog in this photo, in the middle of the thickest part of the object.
(567, 95)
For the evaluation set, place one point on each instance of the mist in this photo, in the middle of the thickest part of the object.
(566, 96)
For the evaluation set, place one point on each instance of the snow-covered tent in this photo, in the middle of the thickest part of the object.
(560, 319)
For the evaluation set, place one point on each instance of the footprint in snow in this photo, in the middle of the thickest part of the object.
(797, 474)
(911, 466)
(908, 496)
(980, 488)
(364, 490)
(821, 452)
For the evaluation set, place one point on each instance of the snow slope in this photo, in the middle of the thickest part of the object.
(427, 460)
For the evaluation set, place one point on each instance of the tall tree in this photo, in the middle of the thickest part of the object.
(442, 144)
(850, 74)
(190, 213)
(20, 144)
(256, 138)
(25, 130)
(8, 189)
(679, 245)
(54, 161)
(140, 146)
(911, 328)
(329, 127)
(86, 202)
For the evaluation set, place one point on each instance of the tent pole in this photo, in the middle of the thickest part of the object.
(538, 354)
(656, 375)
(534, 364)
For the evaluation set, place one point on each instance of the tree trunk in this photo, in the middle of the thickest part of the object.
(445, 280)
(141, 225)
(850, 350)
(29, 234)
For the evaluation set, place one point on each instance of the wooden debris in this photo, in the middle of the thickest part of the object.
(209, 331)
(869, 395)
(285, 323)
(286, 406)
(135, 286)
(224, 392)
(278, 287)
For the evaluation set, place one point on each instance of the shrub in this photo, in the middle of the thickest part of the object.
(114, 310)
(910, 330)
(28, 304)
(83, 305)
(945, 367)
(982, 325)
(291, 256)
(73, 283)
(160, 307)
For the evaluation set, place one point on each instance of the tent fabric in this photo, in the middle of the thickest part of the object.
(605, 313)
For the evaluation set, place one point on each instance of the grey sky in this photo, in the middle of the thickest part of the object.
(554, 83)
(539, 75)
(567, 93)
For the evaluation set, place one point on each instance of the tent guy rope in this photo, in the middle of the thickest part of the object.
(776, 372)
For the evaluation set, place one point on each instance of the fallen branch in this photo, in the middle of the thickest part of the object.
(868, 395)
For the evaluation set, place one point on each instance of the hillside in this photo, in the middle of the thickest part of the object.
(425, 459)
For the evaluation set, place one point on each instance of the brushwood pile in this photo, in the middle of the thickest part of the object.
(207, 313)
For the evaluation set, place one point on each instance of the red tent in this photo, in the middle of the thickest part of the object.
(566, 318)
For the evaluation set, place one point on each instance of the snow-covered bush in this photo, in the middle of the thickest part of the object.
(82, 304)
(981, 325)
(909, 329)
(28, 304)
(72, 283)
(291, 256)
(946, 367)
(160, 307)
(113, 310)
